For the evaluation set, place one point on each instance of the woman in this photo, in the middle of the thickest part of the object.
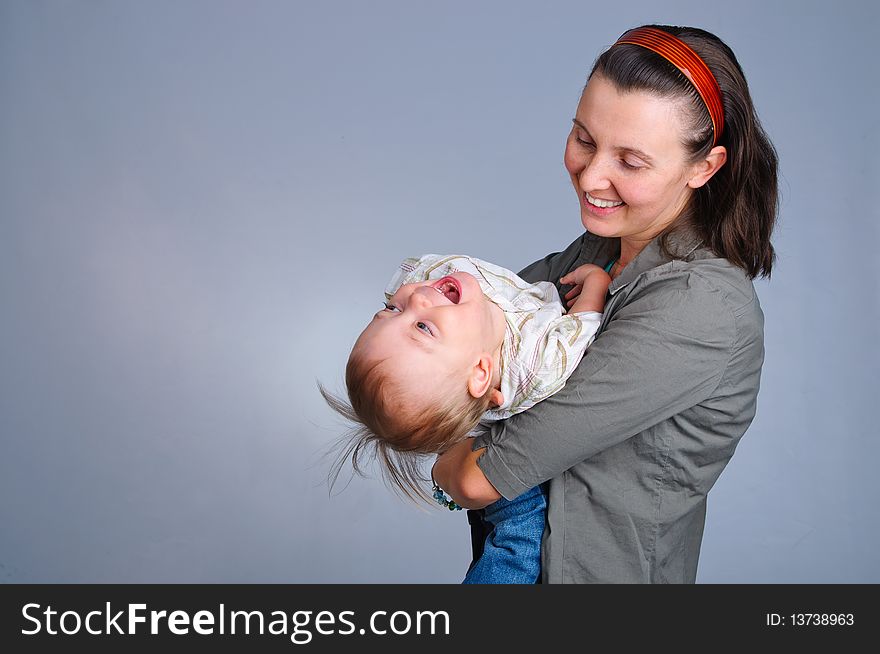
(678, 195)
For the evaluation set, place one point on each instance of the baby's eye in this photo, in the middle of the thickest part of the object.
(390, 307)
(424, 327)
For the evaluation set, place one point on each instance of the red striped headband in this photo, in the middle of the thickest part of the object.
(680, 55)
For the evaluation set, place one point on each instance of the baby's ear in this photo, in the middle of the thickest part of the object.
(480, 380)
(497, 398)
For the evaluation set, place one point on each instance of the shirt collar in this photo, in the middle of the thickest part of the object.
(682, 244)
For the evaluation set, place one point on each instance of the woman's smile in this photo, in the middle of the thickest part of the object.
(599, 206)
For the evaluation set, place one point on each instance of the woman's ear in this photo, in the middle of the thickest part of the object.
(480, 380)
(707, 167)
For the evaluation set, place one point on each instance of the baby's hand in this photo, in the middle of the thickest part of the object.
(590, 287)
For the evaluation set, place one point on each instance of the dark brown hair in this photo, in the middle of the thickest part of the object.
(735, 211)
(388, 427)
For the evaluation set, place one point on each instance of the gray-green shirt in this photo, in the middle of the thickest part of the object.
(647, 422)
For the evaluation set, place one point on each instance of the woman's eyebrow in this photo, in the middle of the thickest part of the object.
(639, 153)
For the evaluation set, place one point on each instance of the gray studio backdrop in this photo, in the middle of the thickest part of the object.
(201, 202)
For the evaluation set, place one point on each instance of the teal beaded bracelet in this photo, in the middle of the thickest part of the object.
(442, 500)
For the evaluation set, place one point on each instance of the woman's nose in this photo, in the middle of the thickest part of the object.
(594, 176)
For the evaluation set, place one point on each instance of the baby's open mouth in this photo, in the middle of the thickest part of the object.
(449, 288)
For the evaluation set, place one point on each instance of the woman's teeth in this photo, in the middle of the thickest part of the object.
(604, 204)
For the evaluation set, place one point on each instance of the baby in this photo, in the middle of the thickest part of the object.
(461, 341)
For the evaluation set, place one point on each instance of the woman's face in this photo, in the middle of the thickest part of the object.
(627, 162)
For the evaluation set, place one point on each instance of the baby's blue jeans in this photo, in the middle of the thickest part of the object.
(512, 550)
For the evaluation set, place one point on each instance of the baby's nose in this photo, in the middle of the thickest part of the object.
(424, 296)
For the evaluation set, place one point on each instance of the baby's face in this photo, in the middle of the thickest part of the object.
(430, 332)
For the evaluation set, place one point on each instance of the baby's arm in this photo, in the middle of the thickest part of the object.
(590, 287)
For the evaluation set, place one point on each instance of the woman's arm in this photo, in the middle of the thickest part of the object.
(663, 351)
(457, 473)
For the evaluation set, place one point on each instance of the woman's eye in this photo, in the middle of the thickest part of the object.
(390, 307)
(633, 164)
(586, 144)
(423, 327)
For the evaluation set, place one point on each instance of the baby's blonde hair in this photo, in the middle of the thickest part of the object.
(399, 436)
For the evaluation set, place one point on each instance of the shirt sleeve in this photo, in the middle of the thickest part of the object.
(665, 350)
(555, 354)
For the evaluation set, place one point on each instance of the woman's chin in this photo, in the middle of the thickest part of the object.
(599, 226)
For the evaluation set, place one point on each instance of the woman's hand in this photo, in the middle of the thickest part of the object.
(457, 473)
(590, 287)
